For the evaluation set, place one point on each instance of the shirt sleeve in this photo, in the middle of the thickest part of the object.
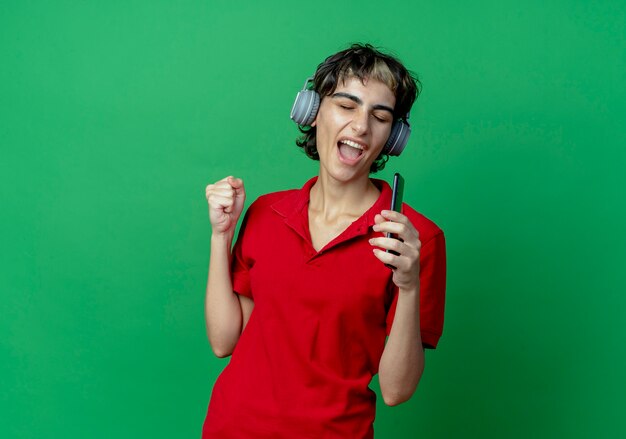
(242, 260)
(432, 291)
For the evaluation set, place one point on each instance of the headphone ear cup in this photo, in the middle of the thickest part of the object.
(398, 138)
(305, 107)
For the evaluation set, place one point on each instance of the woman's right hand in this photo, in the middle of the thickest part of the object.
(225, 198)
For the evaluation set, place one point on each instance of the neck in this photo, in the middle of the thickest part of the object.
(332, 198)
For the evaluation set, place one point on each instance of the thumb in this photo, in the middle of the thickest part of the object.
(237, 184)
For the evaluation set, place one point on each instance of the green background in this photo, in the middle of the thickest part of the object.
(115, 115)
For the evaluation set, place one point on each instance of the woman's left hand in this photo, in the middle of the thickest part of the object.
(408, 246)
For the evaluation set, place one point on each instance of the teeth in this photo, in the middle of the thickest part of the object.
(352, 144)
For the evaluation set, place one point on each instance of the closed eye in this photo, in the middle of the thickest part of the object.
(382, 118)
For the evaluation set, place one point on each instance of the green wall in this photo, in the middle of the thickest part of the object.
(115, 115)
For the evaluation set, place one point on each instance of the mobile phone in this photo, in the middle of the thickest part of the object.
(396, 204)
(397, 192)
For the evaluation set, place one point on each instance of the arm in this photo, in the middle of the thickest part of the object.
(402, 362)
(222, 308)
(225, 311)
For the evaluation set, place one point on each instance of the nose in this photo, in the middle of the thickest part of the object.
(360, 123)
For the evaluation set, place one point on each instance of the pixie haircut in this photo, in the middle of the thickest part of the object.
(365, 62)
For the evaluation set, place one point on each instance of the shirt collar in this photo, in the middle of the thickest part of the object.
(296, 201)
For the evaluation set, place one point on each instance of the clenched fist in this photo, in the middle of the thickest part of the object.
(226, 198)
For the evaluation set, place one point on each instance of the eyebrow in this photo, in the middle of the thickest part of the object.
(358, 100)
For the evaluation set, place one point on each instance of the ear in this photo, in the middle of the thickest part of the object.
(314, 123)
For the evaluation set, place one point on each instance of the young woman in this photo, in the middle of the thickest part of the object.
(305, 302)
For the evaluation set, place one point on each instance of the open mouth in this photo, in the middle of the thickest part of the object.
(349, 150)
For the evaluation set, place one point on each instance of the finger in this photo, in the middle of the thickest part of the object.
(389, 244)
(388, 258)
(391, 227)
(237, 184)
(223, 194)
(409, 252)
(378, 218)
(222, 191)
(398, 217)
(396, 262)
(219, 202)
(219, 186)
(394, 216)
(224, 183)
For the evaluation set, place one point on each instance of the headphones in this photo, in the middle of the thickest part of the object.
(307, 104)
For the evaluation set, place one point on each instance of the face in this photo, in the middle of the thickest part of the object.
(353, 124)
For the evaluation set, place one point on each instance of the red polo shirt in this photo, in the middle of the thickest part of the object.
(303, 364)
